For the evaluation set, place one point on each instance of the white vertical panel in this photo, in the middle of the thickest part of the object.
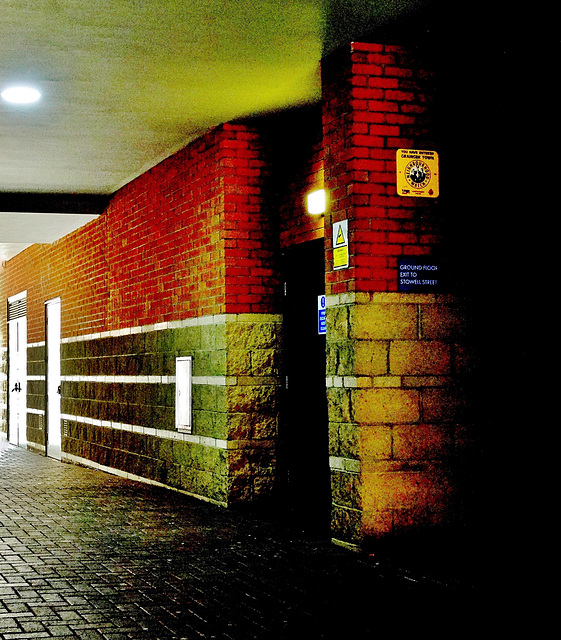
(17, 381)
(54, 436)
(17, 369)
(183, 394)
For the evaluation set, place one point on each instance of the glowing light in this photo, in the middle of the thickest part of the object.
(316, 202)
(20, 95)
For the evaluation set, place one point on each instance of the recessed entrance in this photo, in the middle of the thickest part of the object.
(304, 455)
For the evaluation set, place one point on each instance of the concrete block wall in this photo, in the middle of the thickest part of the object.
(36, 397)
(3, 386)
(119, 404)
(397, 386)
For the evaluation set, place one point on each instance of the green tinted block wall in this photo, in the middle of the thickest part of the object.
(118, 404)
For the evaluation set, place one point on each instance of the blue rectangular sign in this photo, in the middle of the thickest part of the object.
(418, 274)
(322, 322)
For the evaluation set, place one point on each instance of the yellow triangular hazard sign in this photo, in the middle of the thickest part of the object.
(340, 237)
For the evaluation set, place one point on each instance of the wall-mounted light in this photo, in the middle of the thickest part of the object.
(316, 202)
(20, 95)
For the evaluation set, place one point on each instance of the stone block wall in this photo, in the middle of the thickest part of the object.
(118, 405)
(36, 397)
(3, 388)
(398, 385)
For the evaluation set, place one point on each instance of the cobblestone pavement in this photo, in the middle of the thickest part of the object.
(84, 554)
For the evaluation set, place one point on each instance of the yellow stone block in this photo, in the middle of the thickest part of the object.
(390, 406)
(442, 322)
(395, 486)
(393, 490)
(384, 322)
(377, 523)
(421, 442)
(375, 443)
(428, 357)
(371, 358)
(444, 405)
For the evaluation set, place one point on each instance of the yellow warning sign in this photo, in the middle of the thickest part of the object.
(417, 173)
(341, 244)
(340, 237)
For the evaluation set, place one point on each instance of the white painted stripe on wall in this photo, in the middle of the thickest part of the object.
(363, 382)
(37, 412)
(37, 447)
(68, 457)
(174, 324)
(218, 381)
(122, 379)
(344, 464)
(214, 443)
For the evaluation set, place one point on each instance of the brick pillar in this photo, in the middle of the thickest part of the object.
(395, 361)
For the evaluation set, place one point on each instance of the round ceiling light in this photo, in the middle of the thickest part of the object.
(20, 95)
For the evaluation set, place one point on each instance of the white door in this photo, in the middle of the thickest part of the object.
(54, 439)
(17, 371)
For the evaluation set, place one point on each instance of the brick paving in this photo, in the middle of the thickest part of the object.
(84, 554)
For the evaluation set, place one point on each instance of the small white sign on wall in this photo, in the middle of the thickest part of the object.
(183, 394)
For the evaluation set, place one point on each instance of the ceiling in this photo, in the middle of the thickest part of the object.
(126, 83)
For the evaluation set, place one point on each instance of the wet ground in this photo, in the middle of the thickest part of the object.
(84, 554)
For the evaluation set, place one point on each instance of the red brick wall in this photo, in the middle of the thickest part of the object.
(250, 246)
(24, 272)
(377, 99)
(73, 268)
(197, 235)
(163, 232)
(187, 238)
(297, 224)
(293, 146)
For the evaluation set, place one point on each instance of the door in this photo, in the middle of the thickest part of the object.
(304, 452)
(52, 332)
(17, 370)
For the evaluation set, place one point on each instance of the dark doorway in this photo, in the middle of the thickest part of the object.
(304, 450)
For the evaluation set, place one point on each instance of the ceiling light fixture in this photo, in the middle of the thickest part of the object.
(20, 95)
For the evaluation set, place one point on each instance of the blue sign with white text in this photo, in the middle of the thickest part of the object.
(322, 323)
(418, 274)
